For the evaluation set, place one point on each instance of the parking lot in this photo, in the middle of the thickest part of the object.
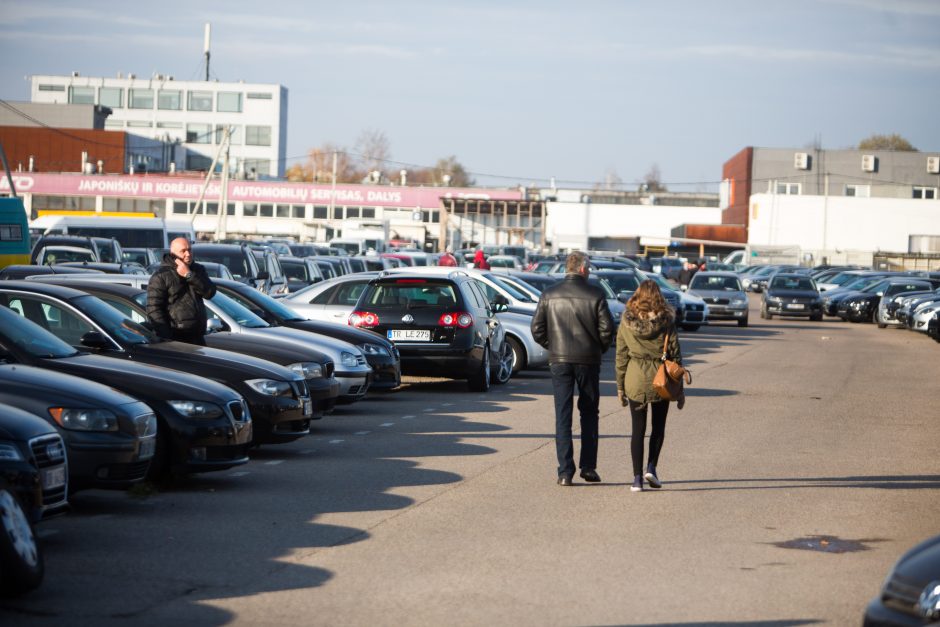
(434, 505)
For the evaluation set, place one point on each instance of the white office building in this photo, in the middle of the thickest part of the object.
(193, 113)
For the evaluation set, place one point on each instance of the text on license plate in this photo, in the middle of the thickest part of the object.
(53, 478)
(410, 335)
(796, 306)
(147, 448)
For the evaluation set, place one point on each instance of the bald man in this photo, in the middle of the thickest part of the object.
(175, 293)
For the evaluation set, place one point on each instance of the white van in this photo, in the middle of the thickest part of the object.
(359, 245)
(143, 232)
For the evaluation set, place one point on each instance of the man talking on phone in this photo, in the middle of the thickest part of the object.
(175, 293)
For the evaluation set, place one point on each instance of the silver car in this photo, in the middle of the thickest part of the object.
(724, 295)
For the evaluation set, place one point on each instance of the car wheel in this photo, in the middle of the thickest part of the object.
(816, 317)
(518, 355)
(742, 322)
(160, 464)
(882, 325)
(20, 554)
(504, 363)
(479, 381)
(690, 327)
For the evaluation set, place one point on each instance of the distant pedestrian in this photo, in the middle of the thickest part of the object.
(572, 320)
(646, 322)
(174, 295)
(447, 259)
(685, 275)
(479, 261)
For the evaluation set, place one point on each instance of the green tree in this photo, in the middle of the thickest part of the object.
(886, 142)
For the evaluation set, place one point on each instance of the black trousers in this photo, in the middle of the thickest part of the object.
(638, 412)
(190, 337)
(586, 377)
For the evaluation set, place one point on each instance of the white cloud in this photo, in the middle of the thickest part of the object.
(927, 58)
(904, 7)
(27, 14)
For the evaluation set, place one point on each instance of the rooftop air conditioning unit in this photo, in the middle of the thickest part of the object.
(933, 165)
(801, 161)
(74, 73)
(131, 76)
(869, 163)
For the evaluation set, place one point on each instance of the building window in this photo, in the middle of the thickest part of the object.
(111, 97)
(199, 101)
(368, 212)
(257, 95)
(229, 102)
(789, 189)
(82, 95)
(297, 211)
(250, 209)
(337, 213)
(169, 99)
(858, 191)
(52, 88)
(256, 167)
(925, 193)
(320, 212)
(169, 125)
(236, 135)
(352, 212)
(283, 211)
(139, 124)
(230, 209)
(109, 123)
(130, 205)
(198, 134)
(180, 206)
(266, 210)
(257, 135)
(140, 99)
(197, 162)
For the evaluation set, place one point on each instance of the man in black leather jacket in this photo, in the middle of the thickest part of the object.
(175, 293)
(573, 322)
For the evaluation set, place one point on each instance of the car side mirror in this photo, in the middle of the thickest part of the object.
(499, 299)
(213, 325)
(94, 339)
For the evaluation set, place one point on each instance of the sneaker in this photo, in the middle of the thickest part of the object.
(637, 484)
(652, 479)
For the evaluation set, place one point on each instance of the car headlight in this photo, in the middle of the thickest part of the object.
(738, 302)
(146, 424)
(196, 409)
(271, 387)
(9, 452)
(929, 602)
(307, 369)
(84, 419)
(373, 349)
(773, 301)
(348, 359)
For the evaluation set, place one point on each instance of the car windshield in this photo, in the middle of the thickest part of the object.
(242, 316)
(236, 262)
(792, 283)
(621, 282)
(861, 283)
(257, 300)
(31, 338)
(411, 293)
(725, 283)
(520, 296)
(608, 292)
(842, 278)
(660, 281)
(114, 322)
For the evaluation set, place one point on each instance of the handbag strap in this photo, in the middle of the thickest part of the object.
(665, 345)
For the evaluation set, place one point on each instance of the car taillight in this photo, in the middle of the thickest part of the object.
(360, 319)
(456, 319)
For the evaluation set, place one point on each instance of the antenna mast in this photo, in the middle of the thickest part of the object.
(206, 48)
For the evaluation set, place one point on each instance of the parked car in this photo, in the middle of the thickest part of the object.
(18, 272)
(442, 324)
(505, 262)
(54, 255)
(724, 295)
(110, 434)
(238, 258)
(791, 295)
(300, 272)
(910, 595)
(864, 307)
(144, 256)
(331, 300)
(33, 486)
(922, 313)
(933, 327)
(669, 267)
(126, 267)
(276, 283)
(691, 311)
(69, 243)
(890, 306)
(279, 406)
(380, 353)
(834, 297)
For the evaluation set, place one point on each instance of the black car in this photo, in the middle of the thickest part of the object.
(910, 595)
(238, 258)
(300, 272)
(380, 353)
(863, 307)
(109, 434)
(229, 359)
(33, 485)
(124, 267)
(443, 325)
(210, 427)
(18, 272)
(791, 295)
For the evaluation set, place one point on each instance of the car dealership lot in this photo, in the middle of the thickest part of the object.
(432, 504)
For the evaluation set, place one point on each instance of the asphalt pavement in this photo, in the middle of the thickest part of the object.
(802, 466)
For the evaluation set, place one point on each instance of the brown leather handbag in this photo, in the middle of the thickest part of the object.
(671, 377)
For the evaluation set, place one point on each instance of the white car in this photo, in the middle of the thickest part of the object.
(922, 315)
(331, 300)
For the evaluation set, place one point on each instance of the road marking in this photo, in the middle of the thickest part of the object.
(447, 404)
(409, 417)
(274, 462)
(387, 424)
(362, 433)
(240, 473)
(337, 441)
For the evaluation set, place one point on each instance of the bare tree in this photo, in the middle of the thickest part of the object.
(373, 149)
(653, 181)
(318, 168)
(886, 142)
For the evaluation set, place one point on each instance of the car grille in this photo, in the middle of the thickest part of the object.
(360, 360)
(239, 411)
(48, 452)
(328, 369)
(718, 301)
(901, 595)
(126, 472)
(300, 388)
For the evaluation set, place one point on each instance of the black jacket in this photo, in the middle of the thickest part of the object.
(175, 303)
(573, 322)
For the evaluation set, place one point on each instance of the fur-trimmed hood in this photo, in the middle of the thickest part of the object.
(648, 325)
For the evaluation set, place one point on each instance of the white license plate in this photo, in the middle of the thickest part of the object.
(796, 306)
(308, 407)
(147, 448)
(409, 335)
(53, 478)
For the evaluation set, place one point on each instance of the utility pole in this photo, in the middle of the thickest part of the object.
(220, 233)
(333, 192)
(205, 48)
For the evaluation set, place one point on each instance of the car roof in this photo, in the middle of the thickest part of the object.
(726, 273)
(43, 287)
(112, 288)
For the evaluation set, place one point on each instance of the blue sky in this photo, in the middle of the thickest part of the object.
(524, 91)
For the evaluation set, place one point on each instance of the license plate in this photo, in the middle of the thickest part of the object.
(796, 306)
(409, 335)
(147, 448)
(308, 407)
(53, 478)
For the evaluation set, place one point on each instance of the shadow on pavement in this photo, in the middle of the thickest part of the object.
(881, 482)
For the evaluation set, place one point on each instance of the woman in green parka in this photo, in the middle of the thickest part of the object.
(643, 328)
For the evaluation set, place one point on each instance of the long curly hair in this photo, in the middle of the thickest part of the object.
(647, 301)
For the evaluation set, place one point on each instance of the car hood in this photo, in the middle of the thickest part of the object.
(705, 294)
(262, 345)
(218, 363)
(45, 383)
(146, 382)
(330, 347)
(921, 564)
(338, 331)
(791, 294)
